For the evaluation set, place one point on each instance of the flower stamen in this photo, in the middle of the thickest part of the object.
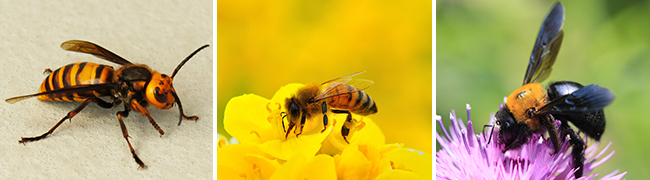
(256, 134)
(221, 142)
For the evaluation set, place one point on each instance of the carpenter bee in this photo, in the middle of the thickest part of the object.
(532, 109)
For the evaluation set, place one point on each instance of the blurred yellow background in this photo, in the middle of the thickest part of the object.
(264, 45)
(483, 48)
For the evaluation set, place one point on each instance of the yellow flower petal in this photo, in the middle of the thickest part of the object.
(398, 174)
(360, 162)
(305, 144)
(302, 167)
(245, 118)
(415, 161)
(285, 92)
(369, 134)
(243, 161)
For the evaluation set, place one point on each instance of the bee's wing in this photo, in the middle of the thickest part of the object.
(341, 79)
(546, 46)
(333, 89)
(67, 91)
(587, 99)
(94, 49)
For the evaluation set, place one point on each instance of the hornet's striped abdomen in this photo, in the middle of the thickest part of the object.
(81, 73)
(357, 102)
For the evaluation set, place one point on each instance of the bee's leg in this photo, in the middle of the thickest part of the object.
(283, 128)
(325, 120)
(125, 133)
(345, 130)
(523, 134)
(578, 151)
(68, 116)
(302, 124)
(551, 126)
(291, 125)
(139, 108)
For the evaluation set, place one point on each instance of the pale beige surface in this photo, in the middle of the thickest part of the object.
(157, 33)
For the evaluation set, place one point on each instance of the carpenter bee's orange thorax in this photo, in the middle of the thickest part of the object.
(524, 101)
(159, 91)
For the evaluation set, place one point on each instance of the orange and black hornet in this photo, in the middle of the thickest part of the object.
(134, 85)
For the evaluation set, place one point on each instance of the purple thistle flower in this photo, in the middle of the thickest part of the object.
(466, 155)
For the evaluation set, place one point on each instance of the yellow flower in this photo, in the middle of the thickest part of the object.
(360, 161)
(256, 120)
(243, 161)
(307, 167)
(365, 131)
(268, 152)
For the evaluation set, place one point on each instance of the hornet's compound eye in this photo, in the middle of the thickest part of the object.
(160, 96)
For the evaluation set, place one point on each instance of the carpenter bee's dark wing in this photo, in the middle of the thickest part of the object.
(587, 99)
(546, 46)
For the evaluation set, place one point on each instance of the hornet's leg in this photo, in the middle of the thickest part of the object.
(138, 108)
(69, 116)
(180, 108)
(47, 71)
(125, 133)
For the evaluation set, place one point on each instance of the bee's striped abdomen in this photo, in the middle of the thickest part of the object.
(81, 73)
(357, 102)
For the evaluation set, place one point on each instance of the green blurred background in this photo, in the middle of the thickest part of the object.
(264, 45)
(483, 49)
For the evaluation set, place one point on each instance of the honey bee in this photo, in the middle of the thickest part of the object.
(342, 95)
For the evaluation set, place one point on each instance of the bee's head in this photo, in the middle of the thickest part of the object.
(507, 126)
(291, 108)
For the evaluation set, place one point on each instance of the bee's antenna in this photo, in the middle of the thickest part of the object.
(283, 116)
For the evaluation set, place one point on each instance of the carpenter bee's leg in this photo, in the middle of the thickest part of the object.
(578, 151)
(553, 131)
